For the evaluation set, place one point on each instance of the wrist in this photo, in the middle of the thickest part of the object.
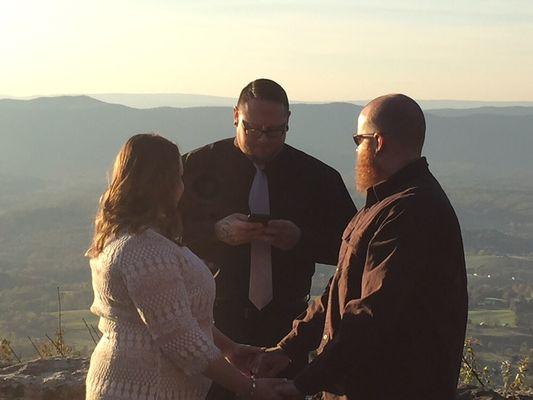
(229, 349)
(249, 389)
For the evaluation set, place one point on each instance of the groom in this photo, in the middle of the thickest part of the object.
(391, 323)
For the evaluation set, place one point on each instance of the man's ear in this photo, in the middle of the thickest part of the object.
(380, 143)
(235, 116)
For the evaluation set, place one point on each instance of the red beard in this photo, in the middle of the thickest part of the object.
(367, 172)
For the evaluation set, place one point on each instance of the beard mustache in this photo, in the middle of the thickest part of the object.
(367, 172)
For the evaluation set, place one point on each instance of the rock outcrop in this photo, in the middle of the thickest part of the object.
(64, 379)
(50, 379)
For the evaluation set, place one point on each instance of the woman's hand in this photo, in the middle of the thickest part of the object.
(271, 362)
(243, 356)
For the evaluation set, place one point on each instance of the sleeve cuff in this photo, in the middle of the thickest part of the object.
(291, 348)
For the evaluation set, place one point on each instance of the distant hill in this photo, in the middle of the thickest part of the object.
(77, 137)
(469, 104)
(183, 100)
(458, 112)
(149, 100)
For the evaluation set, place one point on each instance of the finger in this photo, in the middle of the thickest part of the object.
(245, 225)
(272, 230)
(241, 217)
(275, 223)
(247, 235)
(279, 223)
(256, 231)
(266, 238)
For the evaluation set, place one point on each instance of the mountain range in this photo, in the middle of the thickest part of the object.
(70, 138)
(182, 100)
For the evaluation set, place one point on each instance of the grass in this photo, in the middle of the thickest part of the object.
(76, 334)
(493, 317)
(474, 260)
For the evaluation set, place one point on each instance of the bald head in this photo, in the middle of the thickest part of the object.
(398, 117)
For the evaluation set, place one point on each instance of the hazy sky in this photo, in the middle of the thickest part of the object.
(317, 49)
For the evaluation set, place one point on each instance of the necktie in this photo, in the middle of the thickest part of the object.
(260, 292)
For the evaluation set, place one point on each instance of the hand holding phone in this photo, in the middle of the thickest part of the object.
(261, 218)
(236, 229)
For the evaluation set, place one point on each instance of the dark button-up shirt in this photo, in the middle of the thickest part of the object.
(302, 189)
(391, 323)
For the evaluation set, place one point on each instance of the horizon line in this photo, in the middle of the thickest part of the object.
(35, 96)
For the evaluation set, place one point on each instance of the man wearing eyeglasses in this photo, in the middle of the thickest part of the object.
(264, 213)
(392, 321)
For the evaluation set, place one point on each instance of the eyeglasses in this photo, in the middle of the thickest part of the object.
(271, 133)
(358, 139)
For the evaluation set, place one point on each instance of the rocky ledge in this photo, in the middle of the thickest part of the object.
(49, 379)
(476, 393)
(64, 379)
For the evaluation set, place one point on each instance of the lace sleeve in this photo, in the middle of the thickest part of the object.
(156, 286)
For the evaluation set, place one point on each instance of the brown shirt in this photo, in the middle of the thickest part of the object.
(391, 323)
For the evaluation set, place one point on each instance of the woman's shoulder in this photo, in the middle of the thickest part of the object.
(146, 244)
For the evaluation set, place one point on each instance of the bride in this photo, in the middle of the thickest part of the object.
(153, 296)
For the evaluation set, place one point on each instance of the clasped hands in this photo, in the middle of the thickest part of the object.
(235, 229)
(264, 365)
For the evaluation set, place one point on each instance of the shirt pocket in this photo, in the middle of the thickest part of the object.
(350, 245)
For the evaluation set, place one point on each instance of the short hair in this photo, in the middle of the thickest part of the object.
(264, 89)
(399, 116)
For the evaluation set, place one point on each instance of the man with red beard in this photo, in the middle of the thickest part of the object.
(391, 323)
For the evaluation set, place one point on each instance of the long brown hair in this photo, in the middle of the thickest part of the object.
(142, 191)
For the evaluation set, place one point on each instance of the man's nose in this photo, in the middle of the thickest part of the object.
(263, 138)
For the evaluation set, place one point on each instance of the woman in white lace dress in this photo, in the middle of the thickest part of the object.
(153, 296)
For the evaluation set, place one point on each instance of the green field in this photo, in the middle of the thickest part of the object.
(498, 264)
(493, 317)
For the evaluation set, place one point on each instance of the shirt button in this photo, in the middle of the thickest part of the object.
(325, 337)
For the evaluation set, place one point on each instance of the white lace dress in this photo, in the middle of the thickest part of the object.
(155, 303)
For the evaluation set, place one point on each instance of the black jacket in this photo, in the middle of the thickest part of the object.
(302, 189)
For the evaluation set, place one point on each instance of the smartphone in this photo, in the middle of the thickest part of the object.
(262, 218)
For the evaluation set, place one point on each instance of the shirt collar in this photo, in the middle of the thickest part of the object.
(396, 182)
(271, 163)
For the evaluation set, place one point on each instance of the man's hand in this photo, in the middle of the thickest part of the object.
(270, 362)
(235, 230)
(243, 357)
(266, 389)
(282, 234)
(288, 390)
